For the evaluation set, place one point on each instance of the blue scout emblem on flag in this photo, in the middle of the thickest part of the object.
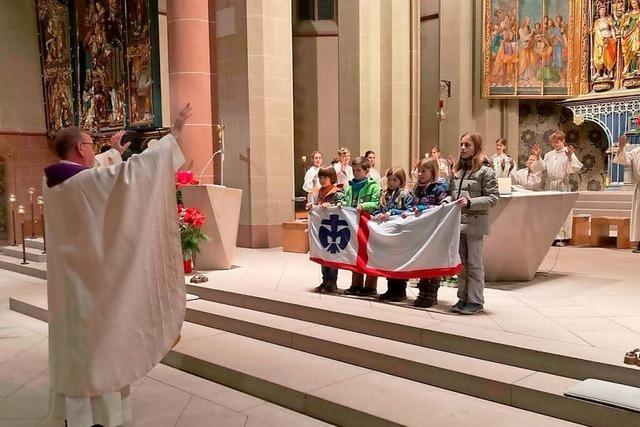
(333, 238)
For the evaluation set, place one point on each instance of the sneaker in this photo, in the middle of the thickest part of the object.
(471, 308)
(425, 301)
(367, 291)
(331, 287)
(560, 243)
(352, 290)
(457, 306)
(636, 250)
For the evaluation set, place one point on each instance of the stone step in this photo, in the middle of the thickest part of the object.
(605, 196)
(598, 204)
(16, 252)
(522, 388)
(536, 354)
(602, 212)
(348, 395)
(34, 269)
(36, 243)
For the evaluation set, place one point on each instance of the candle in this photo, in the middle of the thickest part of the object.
(504, 185)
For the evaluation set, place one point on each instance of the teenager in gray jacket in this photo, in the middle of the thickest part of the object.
(474, 188)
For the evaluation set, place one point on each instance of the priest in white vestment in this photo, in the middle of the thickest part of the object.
(115, 278)
(527, 178)
(558, 163)
(631, 157)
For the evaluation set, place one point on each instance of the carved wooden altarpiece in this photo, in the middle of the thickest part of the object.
(100, 64)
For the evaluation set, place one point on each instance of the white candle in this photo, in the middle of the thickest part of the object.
(504, 185)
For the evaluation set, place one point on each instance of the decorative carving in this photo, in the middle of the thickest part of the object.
(53, 21)
(114, 69)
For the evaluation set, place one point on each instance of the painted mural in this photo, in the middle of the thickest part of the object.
(539, 119)
(527, 48)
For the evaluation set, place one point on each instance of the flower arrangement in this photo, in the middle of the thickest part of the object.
(191, 235)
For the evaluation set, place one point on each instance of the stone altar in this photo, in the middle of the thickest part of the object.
(523, 227)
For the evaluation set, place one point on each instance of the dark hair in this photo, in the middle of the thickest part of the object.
(329, 172)
(366, 153)
(362, 162)
(66, 140)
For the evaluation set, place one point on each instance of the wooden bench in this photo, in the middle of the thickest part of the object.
(600, 226)
(580, 230)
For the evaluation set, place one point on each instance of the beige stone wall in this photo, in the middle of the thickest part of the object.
(256, 104)
(23, 140)
(315, 89)
(429, 84)
(21, 97)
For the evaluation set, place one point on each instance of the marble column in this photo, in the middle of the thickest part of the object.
(192, 78)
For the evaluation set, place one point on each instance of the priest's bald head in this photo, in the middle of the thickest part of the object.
(75, 145)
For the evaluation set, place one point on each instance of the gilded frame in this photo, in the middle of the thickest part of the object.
(573, 64)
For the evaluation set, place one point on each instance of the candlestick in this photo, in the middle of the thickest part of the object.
(12, 201)
(33, 217)
(21, 211)
(40, 202)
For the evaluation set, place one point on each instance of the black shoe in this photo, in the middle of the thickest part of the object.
(386, 296)
(366, 291)
(457, 306)
(353, 290)
(637, 249)
(320, 289)
(425, 301)
(331, 287)
(471, 308)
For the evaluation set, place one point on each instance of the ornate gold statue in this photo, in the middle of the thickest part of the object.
(631, 39)
(604, 45)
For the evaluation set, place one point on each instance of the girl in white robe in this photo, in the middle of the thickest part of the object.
(343, 167)
(311, 182)
(501, 162)
(631, 157)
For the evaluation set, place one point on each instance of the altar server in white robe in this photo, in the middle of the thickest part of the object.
(311, 182)
(527, 178)
(115, 286)
(558, 163)
(631, 157)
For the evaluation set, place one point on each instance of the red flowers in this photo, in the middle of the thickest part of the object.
(190, 219)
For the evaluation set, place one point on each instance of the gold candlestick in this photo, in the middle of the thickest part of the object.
(21, 211)
(32, 191)
(40, 202)
(12, 201)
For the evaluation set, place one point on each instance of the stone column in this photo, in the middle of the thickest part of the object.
(375, 74)
(192, 76)
(256, 103)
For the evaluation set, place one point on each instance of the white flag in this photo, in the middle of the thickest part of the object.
(419, 246)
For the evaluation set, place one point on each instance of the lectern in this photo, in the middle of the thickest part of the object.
(221, 207)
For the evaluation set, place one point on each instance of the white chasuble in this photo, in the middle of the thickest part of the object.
(115, 277)
(632, 158)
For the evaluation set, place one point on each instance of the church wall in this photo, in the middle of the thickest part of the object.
(429, 84)
(23, 140)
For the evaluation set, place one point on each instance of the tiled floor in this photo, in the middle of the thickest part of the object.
(165, 397)
(586, 296)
